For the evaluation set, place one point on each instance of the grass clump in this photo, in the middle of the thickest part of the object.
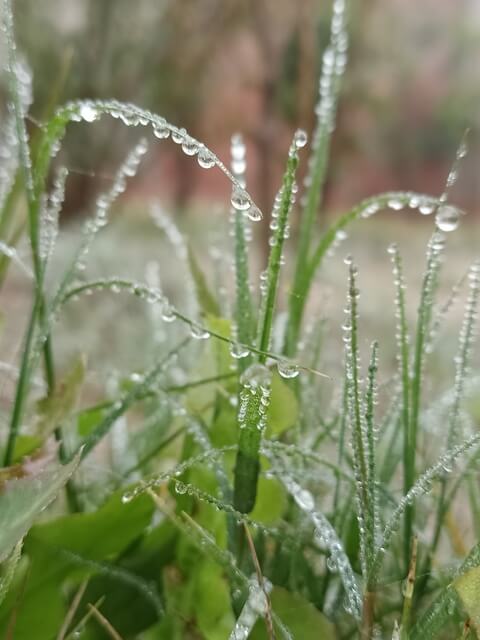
(231, 496)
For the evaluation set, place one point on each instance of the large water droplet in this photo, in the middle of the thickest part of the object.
(300, 139)
(447, 218)
(189, 146)
(253, 213)
(168, 312)
(304, 499)
(240, 199)
(287, 369)
(256, 375)
(239, 351)
(127, 497)
(161, 131)
(198, 332)
(205, 158)
(88, 112)
(395, 204)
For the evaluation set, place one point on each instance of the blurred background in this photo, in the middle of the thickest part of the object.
(221, 66)
(218, 67)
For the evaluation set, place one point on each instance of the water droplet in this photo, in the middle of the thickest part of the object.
(395, 204)
(127, 497)
(240, 199)
(205, 158)
(168, 312)
(198, 332)
(304, 499)
(447, 218)
(300, 139)
(178, 135)
(256, 375)
(426, 208)
(253, 213)
(180, 487)
(239, 351)
(161, 131)
(287, 369)
(189, 146)
(88, 112)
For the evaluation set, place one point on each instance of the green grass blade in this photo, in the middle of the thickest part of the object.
(430, 280)
(394, 200)
(252, 416)
(244, 317)
(280, 214)
(333, 66)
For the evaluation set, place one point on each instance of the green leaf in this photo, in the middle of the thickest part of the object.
(206, 299)
(23, 500)
(302, 619)
(90, 418)
(73, 547)
(53, 410)
(97, 535)
(7, 570)
(283, 409)
(26, 445)
(468, 588)
(271, 501)
(212, 602)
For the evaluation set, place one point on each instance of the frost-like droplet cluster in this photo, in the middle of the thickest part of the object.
(255, 606)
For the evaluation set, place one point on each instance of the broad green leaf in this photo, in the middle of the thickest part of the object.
(71, 547)
(53, 410)
(23, 499)
(206, 299)
(26, 445)
(90, 418)
(303, 619)
(97, 535)
(271, 501)
(7, 570)
(468, 588)
(283, 409)
(212, 602)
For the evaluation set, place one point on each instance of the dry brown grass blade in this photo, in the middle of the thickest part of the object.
(261, 582)
(72, 611)
(104, 623)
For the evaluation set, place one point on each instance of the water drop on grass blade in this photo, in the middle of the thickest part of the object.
(300, 139)
(240, 199)
(205, 158)
(199, 333)
(287, 369)
(88, 112)
(447, 218)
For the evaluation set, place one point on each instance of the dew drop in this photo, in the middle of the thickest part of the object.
(161, 131)
(205, 158)
(168, 312)
(300, 139)
(88, 112)
(426, 208)
(127, 497)
(239, 351)
(198, 332)
(189, 146)
(447, 218)
(304, 499)
(253, 213)
(178, 135)
(180, 488)
(240, 199)
(395, 204)
(287, 369)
